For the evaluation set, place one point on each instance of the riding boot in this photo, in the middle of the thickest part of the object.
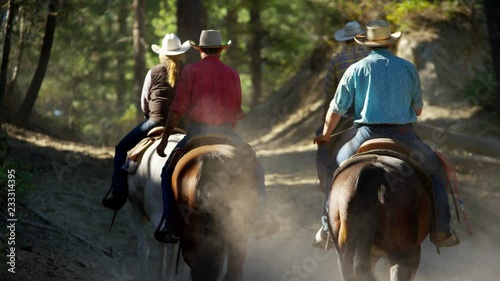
(166, 232)
(118, 197)
(323, 240)
(442, 239)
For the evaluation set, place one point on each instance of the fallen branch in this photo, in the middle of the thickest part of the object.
(479, 145)
(58, 228)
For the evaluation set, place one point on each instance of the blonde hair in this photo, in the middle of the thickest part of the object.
(173, 65)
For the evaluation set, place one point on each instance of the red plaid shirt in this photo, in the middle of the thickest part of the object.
(209, 92)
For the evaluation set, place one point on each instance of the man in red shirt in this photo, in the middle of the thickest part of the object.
(209, 93)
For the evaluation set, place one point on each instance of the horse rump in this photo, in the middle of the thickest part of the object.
(353, 215)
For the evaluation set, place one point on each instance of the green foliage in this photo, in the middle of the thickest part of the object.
(19, 172)
(409, 14)
(22, 176)
(89, 83)
(483, 91)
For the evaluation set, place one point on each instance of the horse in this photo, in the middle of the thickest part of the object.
(215, 190)
(380, 206)
(145, 197)
(215, 186)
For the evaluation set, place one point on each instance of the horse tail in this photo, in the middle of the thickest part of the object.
(212, 181)
(361, 225)
(209, 206)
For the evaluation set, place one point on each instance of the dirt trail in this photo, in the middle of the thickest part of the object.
(72, 178)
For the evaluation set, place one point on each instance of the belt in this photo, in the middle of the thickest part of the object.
(204, 125)
(378, 126)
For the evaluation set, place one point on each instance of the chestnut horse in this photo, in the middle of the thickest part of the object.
(380, 206)
(215, 187)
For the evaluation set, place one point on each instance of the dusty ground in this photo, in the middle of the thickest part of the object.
(72, 178)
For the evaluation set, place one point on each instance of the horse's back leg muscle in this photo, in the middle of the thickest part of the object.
(357, 202)
(142, 245)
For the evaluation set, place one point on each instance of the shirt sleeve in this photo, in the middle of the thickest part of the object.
(145, 93)
(416, 95)
(182, 100)
(330, 84)
(344, 96)
(238, 112)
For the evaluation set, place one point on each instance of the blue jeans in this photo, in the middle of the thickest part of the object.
(166, 177)
(419, 151)
(119, 178)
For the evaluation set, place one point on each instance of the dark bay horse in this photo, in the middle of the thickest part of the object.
(216, 193)
(379, 207)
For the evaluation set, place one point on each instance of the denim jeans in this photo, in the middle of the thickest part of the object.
(119, 178)
(166, 177)
(419, 151)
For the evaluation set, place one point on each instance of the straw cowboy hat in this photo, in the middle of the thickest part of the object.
(210, 39)
(378, 34)
(171, 46)
(351, 28)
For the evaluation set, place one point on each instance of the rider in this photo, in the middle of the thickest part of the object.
(350, 54)
(386, 94)
(157, 95)
(209, 93)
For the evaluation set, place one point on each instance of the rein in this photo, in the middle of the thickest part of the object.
(341, 132)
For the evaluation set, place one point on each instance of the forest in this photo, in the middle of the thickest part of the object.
(78, 66)
(70, 80)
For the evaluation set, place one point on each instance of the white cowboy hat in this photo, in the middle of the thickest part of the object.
(210, 39)
(351, 28)
(378, 34)
(171, 46)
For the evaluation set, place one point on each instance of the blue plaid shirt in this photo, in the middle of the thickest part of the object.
(351, 53)
(384, 88)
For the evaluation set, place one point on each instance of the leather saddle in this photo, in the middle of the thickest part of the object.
(371, 149)
(134, 155)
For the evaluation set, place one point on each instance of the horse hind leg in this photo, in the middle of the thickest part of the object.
(142, 246)
(353, 269)
(404, 266)
(236, 252)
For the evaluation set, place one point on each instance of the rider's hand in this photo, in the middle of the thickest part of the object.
(160, 149)
(321, 139)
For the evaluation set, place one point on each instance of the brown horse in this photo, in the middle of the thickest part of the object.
(216, 193)
(380, 206)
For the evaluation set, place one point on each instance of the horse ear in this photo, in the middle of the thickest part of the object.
(381, 193)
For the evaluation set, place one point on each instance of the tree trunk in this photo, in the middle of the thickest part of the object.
(122, 58)
(232, 53)
(255, 53)
(139, 52)
(478, 145)
(15, 70)
(492, 9)
(43, 62)
(191, 20)
(6, 50)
